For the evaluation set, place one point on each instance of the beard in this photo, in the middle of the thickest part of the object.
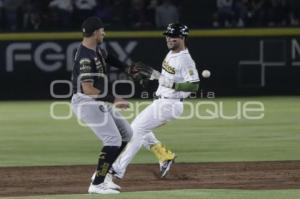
(99, 41)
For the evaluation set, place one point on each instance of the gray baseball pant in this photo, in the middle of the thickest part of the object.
(106, 122)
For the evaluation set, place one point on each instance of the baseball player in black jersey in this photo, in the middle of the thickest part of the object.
(88, 102)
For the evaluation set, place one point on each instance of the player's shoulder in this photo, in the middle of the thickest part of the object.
(186, 58)
(84, 54)
(84, 51)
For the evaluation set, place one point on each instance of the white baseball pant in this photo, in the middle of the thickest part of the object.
(156, 114)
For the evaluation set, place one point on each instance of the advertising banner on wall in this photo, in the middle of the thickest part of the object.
(239, 65)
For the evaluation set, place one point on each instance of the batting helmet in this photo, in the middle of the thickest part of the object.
(176, 30)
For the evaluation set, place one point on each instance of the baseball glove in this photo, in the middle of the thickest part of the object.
(139, 71)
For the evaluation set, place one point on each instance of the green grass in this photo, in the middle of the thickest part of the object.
(28, 135)
(179, 194)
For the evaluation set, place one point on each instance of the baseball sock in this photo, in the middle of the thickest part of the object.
(124, 144)
(106, 158)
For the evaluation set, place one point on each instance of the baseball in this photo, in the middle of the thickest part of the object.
(206, 73)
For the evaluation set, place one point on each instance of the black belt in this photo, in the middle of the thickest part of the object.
(162, 97)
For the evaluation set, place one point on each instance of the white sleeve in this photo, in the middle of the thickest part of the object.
(189, 71)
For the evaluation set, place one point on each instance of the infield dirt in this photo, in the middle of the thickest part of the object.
(22, 181)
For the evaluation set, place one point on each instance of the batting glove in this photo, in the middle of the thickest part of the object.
(155, 75)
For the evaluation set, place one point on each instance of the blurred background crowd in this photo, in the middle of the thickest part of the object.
(65, 15)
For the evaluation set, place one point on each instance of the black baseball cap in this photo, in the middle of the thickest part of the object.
(91, 24)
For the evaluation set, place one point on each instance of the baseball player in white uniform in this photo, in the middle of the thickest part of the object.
(178, 78)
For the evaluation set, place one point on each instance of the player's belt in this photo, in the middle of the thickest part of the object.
(162, 97)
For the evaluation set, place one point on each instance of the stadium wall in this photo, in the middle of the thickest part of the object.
(242, 61)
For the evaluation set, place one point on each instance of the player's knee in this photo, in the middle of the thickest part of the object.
(128, 135)
(137, 127)
(114, 140)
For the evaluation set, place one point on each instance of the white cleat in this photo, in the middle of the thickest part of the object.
(108, 181)
(102, 189)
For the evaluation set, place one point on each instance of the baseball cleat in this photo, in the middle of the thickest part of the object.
(165, 167)
(102, 189)
(108, 181)
(115, 174)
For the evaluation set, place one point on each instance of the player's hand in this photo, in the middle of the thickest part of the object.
(166, 82)
(121, 103)
(155, 75)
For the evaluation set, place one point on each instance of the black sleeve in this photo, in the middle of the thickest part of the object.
(114, 61)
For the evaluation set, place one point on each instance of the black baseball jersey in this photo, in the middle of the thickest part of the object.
(90, 65)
